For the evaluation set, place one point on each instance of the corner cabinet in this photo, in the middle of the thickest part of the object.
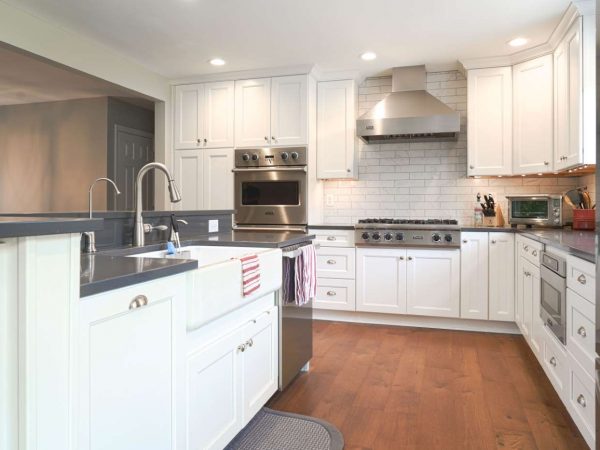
(336, 129)
(271, 111)
(128, 346)
(205, 178)
(489, 134)
(533, 116)
(204, 115)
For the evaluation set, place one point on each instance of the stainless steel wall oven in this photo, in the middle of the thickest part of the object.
(553, 308)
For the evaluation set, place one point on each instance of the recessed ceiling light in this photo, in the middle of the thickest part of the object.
(217, 62)
(368, 56)
(517, 42)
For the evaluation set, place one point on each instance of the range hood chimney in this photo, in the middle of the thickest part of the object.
(408, 113)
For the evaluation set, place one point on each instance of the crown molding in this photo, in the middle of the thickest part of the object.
(571, 14)
(304, 69)
(443, 67)
(332, 75)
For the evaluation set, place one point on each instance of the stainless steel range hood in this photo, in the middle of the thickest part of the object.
(408, 113)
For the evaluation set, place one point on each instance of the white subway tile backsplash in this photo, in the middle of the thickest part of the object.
(424, 179)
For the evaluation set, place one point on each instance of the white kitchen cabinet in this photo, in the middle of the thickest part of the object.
(501, 276)
(528, 300)
(335, 293)
(336, 129)
(489, 134)
(336, 262)
(289, 104)
(205, 178)
(381, 280)
(474, 267)
(253, 112)
(433, 282)
(533, 116)
(128, 348)
(204, 115)
(230, 379)
(581, 330)
(568, 82)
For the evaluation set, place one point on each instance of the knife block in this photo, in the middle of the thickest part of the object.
(495, 221)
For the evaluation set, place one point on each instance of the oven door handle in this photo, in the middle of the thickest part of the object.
(271, 169)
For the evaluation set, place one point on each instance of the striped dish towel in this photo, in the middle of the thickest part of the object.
(306, 275)
(250, 274)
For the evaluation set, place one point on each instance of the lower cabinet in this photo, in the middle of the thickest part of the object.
(502, 276)
(230, 380)
(420, 282)
(334, 293)
(528, 303)
(127, 345)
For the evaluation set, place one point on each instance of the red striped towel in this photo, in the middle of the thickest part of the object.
(250, 274)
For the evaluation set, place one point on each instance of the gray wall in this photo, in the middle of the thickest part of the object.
(50, 153)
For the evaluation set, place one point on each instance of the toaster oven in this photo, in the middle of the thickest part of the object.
(541, 210)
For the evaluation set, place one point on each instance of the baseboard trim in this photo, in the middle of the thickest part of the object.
(487, 326)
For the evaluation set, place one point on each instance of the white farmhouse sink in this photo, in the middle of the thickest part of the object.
(217, 285)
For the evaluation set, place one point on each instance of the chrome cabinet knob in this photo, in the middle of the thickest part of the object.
(138, 302)
(331, 261)
(581, 278)
(205, 141)
(546, 163)
(198, 141)
(410, 258)
(465, 241)
(526, 248)
(250, 342)
(331, 293)
(241, 348)
(581, 332)
(266, 138)
(534, 253)
(493, 241)
(581, 400)
(401, 258)
(273, 138)
(553, 361)
(471, 167)
(331, 238)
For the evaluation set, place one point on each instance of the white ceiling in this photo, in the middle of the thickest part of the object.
(176, 38)
(27, 79)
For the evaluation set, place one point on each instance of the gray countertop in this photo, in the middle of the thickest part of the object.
(578, 243)
(18, 226)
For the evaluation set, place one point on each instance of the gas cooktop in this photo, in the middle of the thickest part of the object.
(444, 233)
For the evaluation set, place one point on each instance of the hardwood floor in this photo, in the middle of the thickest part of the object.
(391, 388)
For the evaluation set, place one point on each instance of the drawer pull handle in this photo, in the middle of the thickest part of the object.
(465, 241)
(534, 253)
(581, 400)
(581, 279)
(581, 332)
(331, 261)
(553, 361)
(331, 238)
(138, 302)
(241, 348)
(331, 293)
(250, 343)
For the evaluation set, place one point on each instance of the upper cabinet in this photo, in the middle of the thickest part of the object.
(568, 150)
(204, 115)
(533, 116)
(336, 129)
(271, 111)
(489, 132)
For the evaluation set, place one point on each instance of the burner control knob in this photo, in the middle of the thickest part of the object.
(448, 238)
(376, 236)
(399, 237)
(365, 236)
(388, 236)
(246, 157)
(285, 155)
(436, 237)
(295, 155)
(254, 157)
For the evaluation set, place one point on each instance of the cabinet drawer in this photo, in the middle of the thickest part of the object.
(335, 294)
(581, 330)
(580, 401)
(581, 277)
(335, 262)
(530, 250)
(333, 238)
(555, 362)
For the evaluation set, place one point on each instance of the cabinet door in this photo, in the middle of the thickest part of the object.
(214, 393)
(490, 121)
(533, 116)
(433, 282)
(218, 178)
(189, 173)
(128, 357)
(525, 294)
(537, 326)
(218, 115)
(289, 117)
(188, 128)
(474, 276)
(336, 129)
(381, 280)
(502, 277)
(253, 112)
(260, 368)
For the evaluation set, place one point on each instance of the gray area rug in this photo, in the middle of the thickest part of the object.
(276, 430)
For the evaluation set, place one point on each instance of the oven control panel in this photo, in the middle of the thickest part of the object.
(270, 157)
